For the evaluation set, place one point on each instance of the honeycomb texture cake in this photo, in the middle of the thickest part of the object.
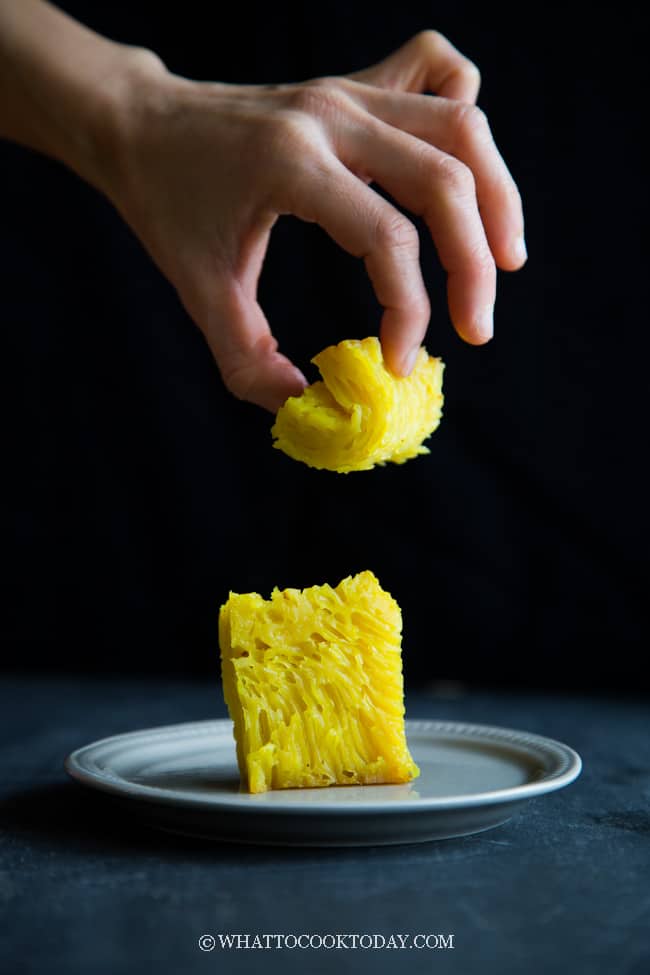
(313, 683)
(360, 414)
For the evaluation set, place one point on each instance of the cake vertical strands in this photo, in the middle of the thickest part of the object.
(313, 683)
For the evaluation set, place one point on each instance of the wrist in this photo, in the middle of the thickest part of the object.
(65, 87)
(132, 81)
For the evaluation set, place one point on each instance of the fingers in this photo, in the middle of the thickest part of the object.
(367, 226)
(239, 336)
(427, 62)
(463, 131)
(441, 189)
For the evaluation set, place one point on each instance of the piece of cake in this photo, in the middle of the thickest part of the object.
(313, 683)
(360, 414)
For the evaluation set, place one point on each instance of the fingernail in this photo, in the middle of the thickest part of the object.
(300, 377)
(485, 324)
(519, 251)
(409, 362)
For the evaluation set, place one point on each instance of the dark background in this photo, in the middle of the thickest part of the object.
(139, 492)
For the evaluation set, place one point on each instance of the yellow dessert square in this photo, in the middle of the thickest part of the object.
(313, 683)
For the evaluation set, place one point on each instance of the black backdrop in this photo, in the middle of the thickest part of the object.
(138, 492)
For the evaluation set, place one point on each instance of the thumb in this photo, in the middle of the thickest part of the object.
(245, 351)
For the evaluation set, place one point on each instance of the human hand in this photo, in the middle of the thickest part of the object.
(201, 171)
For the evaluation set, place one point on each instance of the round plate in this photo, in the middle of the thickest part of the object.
(184, 778)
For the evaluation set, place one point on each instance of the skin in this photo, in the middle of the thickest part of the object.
(202, 170)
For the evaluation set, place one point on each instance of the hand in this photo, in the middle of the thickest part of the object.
(201, 171)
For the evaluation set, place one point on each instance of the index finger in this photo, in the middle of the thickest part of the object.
(367, 226)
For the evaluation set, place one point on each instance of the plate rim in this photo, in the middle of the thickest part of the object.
(568, 768)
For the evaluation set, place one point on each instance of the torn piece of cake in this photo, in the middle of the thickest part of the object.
(313, 683)
(360, 414)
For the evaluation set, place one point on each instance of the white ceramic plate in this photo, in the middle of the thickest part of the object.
(184, 778)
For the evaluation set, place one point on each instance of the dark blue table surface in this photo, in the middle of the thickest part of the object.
(564, 886)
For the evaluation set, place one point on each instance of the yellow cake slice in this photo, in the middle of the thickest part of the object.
(313, 683)
(360, 414)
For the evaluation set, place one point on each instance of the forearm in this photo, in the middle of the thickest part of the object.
(63, 87)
